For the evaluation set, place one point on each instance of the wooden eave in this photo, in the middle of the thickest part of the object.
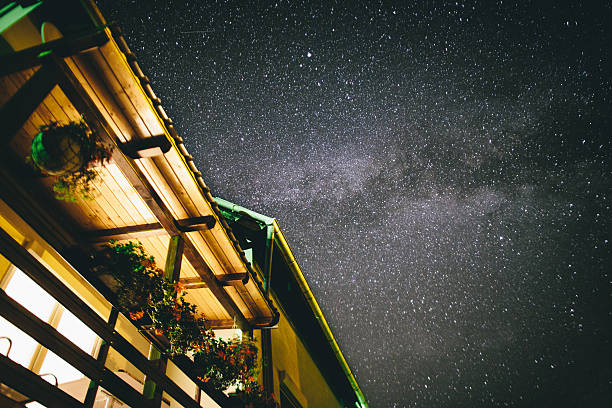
(150, 198)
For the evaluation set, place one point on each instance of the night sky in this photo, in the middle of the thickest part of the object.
(442, 172)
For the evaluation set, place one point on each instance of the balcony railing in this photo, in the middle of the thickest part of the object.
(31, 385)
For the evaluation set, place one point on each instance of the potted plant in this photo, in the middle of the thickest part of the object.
(67, 151)
(225, 363)
(176, 319)
(151, 301)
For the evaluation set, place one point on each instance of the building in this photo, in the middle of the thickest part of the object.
(63, 343)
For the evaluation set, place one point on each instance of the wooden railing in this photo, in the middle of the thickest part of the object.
(23, 380)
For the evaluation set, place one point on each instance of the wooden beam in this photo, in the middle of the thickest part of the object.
(267, 362)
(78, 96)
(229, 279)
(196, 223)
(32, 386)
(146, 147)
(172, 269)
(90, 396)
(229, 323)
(63, 47)
(128, 232)
(19, 108)
(233, 277)
(151, 229)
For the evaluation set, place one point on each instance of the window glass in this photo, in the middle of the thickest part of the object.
(25, 291)
(59, 368)
(23, 345)
(77, 332)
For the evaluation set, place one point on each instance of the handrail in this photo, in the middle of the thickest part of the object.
(52, 375)
(10, 344)
(28, 264)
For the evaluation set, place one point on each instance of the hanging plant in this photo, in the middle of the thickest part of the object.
(66, 152)
(176, 319)
(142, 292)
(225, 363)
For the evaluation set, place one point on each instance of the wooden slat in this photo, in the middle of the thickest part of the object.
(17, 110)
(10, 84)
(129, 212)
(66, 350)
(31, 385)
(127, 91)
(26, 262)
(131, 194)
(62, 47)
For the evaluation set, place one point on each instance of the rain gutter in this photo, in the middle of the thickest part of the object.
(269, 225)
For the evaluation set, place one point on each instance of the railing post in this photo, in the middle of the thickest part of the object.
(90, 397)
(172, 272)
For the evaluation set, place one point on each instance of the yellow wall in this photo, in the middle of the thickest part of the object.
(294, 366)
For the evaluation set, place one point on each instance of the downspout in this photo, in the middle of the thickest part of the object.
(298, 275)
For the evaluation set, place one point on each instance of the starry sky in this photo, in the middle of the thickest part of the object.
(442, 171)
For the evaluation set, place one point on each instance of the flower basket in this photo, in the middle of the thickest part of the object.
(67, 151)
(58, 150)
(148, 299)
(225, 363)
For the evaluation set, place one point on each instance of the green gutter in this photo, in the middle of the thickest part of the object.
(12, 13)
(225, 205)
(299, 277)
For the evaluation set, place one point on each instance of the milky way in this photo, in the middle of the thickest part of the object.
(441, 171)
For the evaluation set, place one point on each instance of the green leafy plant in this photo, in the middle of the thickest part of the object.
(224, 363)
(177, 319)
(142, 291)
(66, 152)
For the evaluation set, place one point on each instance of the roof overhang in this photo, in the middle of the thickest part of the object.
(150, 191)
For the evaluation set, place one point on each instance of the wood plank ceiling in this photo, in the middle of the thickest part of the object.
(147, 199)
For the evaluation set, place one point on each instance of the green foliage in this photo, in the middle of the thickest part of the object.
(177, 319)
(72, 186)
(139, 281)
(142, 290)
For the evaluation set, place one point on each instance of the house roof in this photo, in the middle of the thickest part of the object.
(294, 296)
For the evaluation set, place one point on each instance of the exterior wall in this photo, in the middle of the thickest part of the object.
(294, 367)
